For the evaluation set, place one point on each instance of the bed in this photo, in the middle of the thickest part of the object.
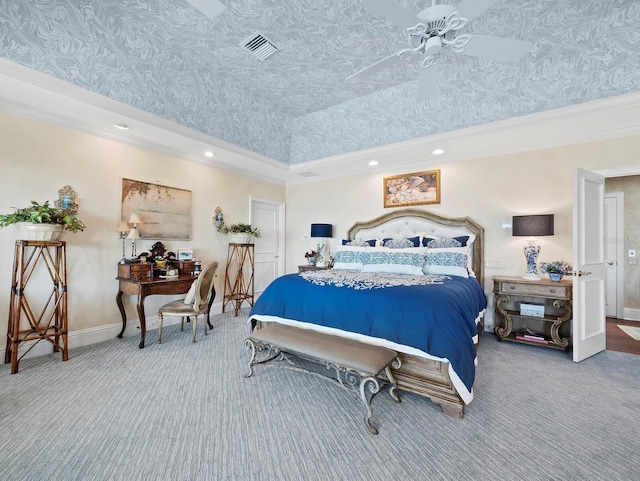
(432, 320)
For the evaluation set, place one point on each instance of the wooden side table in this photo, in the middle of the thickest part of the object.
(551, 301)
(50, 323)
(307, 267)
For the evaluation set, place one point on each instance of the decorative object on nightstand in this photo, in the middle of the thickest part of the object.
(556, 269)
(534, 312)
(532, 226)
(312, 257)
(323, 232)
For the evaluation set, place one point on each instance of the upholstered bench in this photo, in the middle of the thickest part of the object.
(357, 366)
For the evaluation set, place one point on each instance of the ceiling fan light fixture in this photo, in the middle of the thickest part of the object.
(433, 45)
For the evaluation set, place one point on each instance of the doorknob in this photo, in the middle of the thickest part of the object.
(580, 273)
(610, 263)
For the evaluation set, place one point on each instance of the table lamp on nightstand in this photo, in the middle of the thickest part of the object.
(322, 231)
(532, 226)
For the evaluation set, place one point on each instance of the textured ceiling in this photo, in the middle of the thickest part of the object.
(166, 58)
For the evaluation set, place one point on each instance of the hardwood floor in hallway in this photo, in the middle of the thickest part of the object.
(618, 340)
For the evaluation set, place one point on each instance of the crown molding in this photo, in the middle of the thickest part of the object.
(26, 92)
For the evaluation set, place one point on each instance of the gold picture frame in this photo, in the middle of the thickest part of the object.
(417, 188)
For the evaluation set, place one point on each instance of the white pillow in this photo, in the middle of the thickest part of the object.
(448, 261)
(349, 257)
(191, 295)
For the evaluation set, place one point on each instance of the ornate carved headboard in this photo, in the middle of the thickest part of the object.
(413, 222)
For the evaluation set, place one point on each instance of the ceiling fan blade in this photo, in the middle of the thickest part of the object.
(376, 67)
(393, 11)
(496, 48)
(471, 9)
(428, 82)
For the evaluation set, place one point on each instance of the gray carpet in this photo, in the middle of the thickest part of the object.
(183, 411)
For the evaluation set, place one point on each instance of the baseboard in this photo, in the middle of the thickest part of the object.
(631, 314)
(93, 335)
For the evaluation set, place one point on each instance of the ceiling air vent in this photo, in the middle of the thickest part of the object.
(259, 45)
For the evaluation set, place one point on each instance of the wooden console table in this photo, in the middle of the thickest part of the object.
(51, 323)
(147, 287)
(238, 276)
(553, 299)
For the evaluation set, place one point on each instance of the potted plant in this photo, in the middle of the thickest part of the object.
(312, 257)
(556, 269)
(240, 232)
(42, 221)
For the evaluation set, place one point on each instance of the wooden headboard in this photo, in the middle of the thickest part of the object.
(412, 222)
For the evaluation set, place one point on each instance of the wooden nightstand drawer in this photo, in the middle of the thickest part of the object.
(560, 291)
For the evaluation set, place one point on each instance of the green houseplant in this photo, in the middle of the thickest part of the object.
(43, 214)
(241, 232)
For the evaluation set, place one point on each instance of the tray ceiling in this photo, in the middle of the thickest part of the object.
(167, 58)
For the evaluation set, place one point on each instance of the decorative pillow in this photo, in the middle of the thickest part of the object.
(401, 243)
(191, 295)
(440, 242)
(394, 262)
(359, 243)
(453, 261)
(349, 257)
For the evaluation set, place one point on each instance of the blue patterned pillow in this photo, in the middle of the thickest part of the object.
(351, 259)
(359, 243)
(401, 243)
(449, 262)
(441, 242)
(394, 262)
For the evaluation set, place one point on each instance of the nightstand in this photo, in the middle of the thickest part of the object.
(534, 312)
(312, 268)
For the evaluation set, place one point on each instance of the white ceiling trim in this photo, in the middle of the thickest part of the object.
(29, 93)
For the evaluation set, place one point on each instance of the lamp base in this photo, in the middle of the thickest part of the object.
(531, 277)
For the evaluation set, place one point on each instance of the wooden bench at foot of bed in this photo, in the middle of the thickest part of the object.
(356, 365)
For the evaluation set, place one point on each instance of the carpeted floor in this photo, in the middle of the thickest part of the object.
(183, 411)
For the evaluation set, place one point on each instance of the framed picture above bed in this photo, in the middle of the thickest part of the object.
(417, 188)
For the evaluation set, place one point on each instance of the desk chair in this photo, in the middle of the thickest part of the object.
(198, 301)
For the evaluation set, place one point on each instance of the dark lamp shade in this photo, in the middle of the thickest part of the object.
(321, 230)
(532, 225)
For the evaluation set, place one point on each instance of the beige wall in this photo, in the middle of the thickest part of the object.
(630, 186)
(489, 190)
(37, 159)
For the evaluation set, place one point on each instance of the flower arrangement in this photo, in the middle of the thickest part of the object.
(310, 253)
(556, 267)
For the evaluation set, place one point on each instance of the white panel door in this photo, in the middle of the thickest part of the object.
(268, 216)
(589, 334)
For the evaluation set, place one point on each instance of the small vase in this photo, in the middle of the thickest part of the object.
(555, 277)
(311, 261)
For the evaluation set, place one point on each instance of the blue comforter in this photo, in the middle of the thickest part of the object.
(435, 314)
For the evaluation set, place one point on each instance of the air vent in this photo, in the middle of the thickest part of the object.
(259, 45)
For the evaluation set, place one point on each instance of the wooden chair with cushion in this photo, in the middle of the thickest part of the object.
(198, 301)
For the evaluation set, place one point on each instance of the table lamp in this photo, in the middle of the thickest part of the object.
(322, 231)
(134, 235)
(123, 227)
(532, 226)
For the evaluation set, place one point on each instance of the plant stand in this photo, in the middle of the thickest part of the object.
(51, 323)
(238, 276)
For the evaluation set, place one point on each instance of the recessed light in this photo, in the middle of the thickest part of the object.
(438, 152)
(373, 162)
(122, 126)
(209, 154)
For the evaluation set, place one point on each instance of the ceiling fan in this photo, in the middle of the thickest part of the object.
(434, 29)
